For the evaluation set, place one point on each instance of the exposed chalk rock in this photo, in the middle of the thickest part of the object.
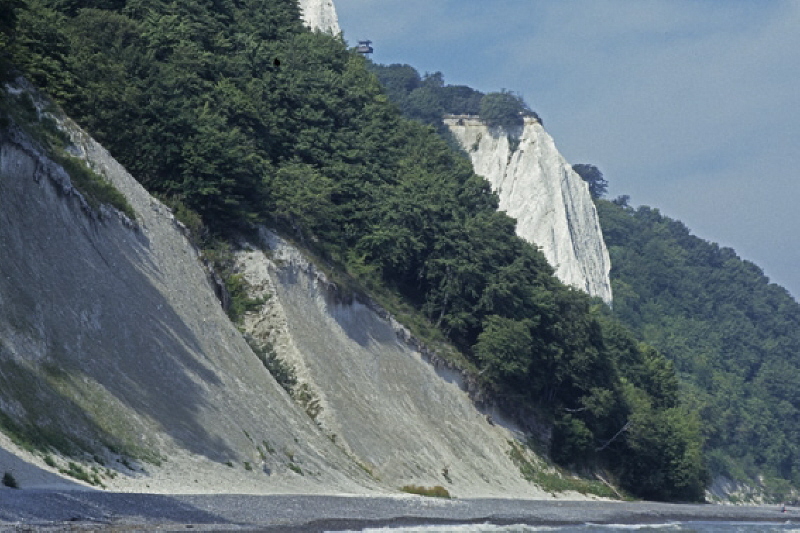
(115, 325)
(320, 15)
(399, 409)
(111, 336)
(550, 202)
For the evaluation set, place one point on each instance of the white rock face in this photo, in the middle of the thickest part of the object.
(115, 325)
(320, 15)
(397, 409)
(123, 313)
(550, 202)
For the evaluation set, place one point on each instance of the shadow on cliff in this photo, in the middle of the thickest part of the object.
(77, 302)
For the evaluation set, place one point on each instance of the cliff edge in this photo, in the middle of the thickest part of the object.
(550, 202)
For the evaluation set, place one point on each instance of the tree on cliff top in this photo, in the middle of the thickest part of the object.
(598, 186)
(504, 109)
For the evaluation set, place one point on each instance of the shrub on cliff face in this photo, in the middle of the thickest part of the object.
(432, 492)
(9, 481)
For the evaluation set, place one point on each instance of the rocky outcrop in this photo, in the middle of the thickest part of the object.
(320, 15)
(550, 202)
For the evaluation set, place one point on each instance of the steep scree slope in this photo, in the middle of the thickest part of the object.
(110, 332)
(550, 202)
(111, 337)
(403, 418)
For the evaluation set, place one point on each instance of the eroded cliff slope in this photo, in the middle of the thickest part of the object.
(114, 350)
(550, 202)
(400, 411)
(113, 344)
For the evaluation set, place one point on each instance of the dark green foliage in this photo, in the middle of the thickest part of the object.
(732, 335)
(504, 109)
(573, 442)
(598, 186)
(316, 147)
(10, 481)
(426, 98)
(9, 16)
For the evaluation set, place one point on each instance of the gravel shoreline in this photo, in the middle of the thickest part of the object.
(51, 510)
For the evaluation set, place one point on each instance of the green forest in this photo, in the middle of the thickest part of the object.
(235, 115)
(733, 337)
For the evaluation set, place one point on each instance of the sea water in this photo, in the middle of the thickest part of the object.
(671, 527)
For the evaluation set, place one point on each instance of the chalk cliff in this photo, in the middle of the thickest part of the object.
(550, 202)
(398, 409)
(112, 340)
(113, 343)
(320, 15)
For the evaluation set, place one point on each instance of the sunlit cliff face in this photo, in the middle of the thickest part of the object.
(550, 202)
(320, 15)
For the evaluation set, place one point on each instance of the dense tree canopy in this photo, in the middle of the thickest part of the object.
(504, 109)
(426, 98)
(232, 110)
(733, 336)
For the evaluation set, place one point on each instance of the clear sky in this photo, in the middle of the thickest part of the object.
(690, 106)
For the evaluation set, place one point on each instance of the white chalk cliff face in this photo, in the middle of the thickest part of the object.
(320, 15)
(550, 202)
(114, 323)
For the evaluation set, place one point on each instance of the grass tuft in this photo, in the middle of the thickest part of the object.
(78, 472)
(555, 482)
(433, 492)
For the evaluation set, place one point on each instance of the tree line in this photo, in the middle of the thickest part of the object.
(732, 335)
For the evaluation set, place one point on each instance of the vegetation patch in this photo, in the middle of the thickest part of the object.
(41, 126)
(10, 481)
(306, 397)
(96, 189)
(553, 481)
(237, 298)
(432, 492)
(78, 472)
(283, 372)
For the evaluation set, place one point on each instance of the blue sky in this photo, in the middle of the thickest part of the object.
(689, 106)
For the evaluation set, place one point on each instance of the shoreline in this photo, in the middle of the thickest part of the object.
(58, 510)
